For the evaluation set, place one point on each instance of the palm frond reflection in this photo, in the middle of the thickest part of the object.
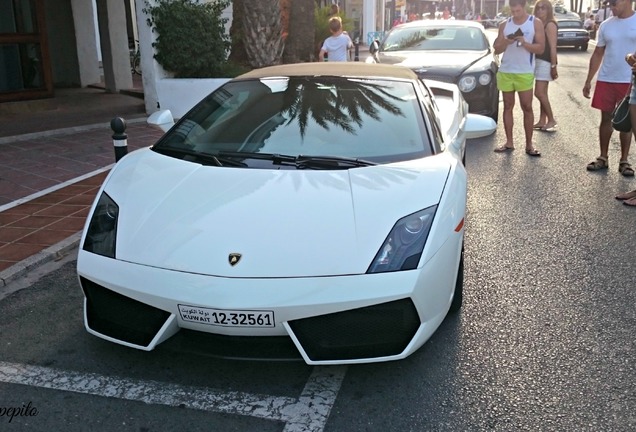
(332, 101)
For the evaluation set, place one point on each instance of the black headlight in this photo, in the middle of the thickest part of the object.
(403, 246)
(102, 230)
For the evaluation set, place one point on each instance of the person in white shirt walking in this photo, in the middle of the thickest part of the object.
(337, 45)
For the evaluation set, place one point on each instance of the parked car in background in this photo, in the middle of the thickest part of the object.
(454, 51)
(317, 208)
(562, 13)
(572, 34)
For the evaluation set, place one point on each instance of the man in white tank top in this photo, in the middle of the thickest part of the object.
(616, 39)
(520, 37)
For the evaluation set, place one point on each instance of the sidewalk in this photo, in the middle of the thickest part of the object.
(54, 155)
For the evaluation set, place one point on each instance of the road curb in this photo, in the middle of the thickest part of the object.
(52, 253)
(67, 131)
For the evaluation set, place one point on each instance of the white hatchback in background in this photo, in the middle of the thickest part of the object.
(322, 204)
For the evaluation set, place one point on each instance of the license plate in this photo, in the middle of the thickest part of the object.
(570, 35)
(227, 318)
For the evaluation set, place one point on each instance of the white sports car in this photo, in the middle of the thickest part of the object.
(319, 203)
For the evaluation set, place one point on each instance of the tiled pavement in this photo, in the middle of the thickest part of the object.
(48, 181)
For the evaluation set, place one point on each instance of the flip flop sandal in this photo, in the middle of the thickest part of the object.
(630, 202)
(626, 196)
(626, 169)
(549, 129)
(533, 152)
(503, 148)
(538, 127)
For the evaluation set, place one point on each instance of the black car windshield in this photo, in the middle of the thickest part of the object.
(452, 38)
(359, 121)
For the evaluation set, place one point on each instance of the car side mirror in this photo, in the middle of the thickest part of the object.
(162, 119)
(478, 126)
(374, 47)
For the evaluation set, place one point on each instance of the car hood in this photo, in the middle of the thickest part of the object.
(285, 223)
(434, 62)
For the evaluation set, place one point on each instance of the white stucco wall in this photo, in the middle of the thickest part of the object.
(88, 56)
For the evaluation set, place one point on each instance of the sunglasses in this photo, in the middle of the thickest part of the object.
(613, 2)
(542, 7)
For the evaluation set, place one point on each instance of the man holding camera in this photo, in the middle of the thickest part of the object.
(520, 37)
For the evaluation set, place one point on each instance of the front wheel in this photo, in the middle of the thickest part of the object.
(458, 293)
(583, 47)
(495, 114)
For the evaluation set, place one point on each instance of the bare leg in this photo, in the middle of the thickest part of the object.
(541, 92)
(605, 130)
(525, 100)
(508, 105)
(626, 141)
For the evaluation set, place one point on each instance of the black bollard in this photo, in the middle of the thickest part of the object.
(356, 44)
(120, 139)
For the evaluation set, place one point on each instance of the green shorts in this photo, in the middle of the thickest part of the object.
(509, 82)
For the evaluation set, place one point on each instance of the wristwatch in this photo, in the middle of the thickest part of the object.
(553, 66)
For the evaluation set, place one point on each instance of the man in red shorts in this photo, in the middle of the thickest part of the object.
(616, 39)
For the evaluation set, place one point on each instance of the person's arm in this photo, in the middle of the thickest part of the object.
(538, 44)
(595, 64)
(321, 54)
(501, 43)
(551, 36)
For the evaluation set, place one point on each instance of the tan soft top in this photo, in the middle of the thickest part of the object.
(348, 69)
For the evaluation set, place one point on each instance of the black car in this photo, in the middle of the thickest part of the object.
(572, 34)
(453, 51)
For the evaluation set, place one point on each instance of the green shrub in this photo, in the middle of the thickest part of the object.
(191, 39)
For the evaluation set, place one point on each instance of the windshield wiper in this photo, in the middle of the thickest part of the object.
(303, 161)
(277, 159)
(197, 155)
(330, 162)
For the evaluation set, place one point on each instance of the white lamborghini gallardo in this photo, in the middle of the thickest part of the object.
(321, 204)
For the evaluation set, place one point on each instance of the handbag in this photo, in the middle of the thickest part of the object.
(621, 117)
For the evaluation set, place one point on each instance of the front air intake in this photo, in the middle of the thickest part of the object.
(375, 331)
(121, 317)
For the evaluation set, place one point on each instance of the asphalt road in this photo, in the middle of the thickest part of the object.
(545, 340)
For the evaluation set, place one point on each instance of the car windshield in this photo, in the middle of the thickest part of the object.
(570, 25)
(284, 120)
(435, 39)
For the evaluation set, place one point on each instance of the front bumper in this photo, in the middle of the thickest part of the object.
(483, 100)
(574, 41)
(331, 320)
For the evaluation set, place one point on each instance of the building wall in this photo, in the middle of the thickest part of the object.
(88, 55)
(61, 37)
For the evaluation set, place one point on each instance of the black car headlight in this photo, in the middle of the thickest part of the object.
(467, 83)
(102, 230)
(403, 246)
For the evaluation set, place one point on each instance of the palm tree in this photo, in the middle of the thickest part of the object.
(262, 32)
(299, 46)
(237, 53)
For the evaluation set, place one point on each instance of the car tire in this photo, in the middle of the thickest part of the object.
(458, 293)
(583, 47)
(495, 114)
